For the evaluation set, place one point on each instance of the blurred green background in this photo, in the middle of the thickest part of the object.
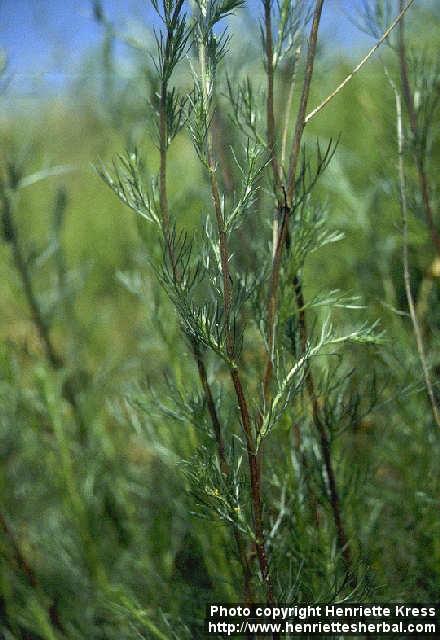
(106, 526)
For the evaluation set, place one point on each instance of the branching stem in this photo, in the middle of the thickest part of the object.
(198, 357)
(300, 119)
(254, 467)
(286, 207)
(325, 447)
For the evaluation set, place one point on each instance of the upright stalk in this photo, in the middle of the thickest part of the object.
(163, 133)
(419, 160)
(325, 447)
(284, 209)
(288, 107)
(406, 268)
(201, 368)
(254, 467)
(270, 117)
(270, 112)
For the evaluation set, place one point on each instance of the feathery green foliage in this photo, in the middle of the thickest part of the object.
(231, 395)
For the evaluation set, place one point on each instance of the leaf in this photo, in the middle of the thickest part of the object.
(43, 174)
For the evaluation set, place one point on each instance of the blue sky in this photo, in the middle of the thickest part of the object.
(45, 40)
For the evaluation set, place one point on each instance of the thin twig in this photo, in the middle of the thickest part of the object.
(406, 268)
(270, 112)
(284, 211)
(300, 119)
(418, 157)
(285, 208)
(335, 501)
(359, 66)
(254, 468)
(288, 107)
(270, 116)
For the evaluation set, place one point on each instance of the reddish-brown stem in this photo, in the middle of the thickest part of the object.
(300, 119)
(18, 555)
(222, 139)
(270, 114)
(254, 467)
(284, 210)
(27, 570)
(224, 467)
(255, 478)
(335, 501)
(412, 115)
(212, 410)
(201, 368)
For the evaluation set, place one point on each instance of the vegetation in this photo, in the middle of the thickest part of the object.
(230, 392)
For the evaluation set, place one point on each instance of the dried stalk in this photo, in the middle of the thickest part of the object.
(270, 116)
(289, 106)
(270, 111)
(418, 157)
(406, 268)
(358, 67)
